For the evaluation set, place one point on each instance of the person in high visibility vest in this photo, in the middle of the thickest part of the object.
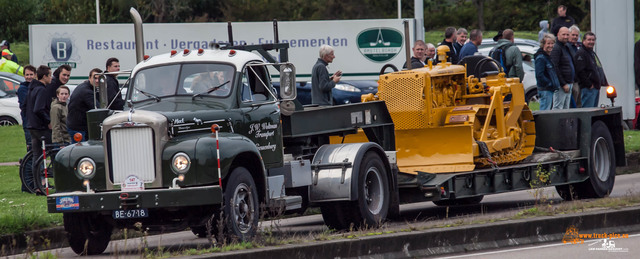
(6, 65)
(4, 46)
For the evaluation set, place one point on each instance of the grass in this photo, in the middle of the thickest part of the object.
(21, 211)
(12, 143)
(631, 141)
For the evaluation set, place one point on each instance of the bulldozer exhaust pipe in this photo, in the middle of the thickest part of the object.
(407, 47)
(137, 30)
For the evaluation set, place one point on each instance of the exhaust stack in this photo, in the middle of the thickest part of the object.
(137, 30)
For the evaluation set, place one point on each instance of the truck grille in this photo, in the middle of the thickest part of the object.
(132, 153)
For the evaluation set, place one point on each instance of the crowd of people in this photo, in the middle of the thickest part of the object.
(568, 72)
(51, 114)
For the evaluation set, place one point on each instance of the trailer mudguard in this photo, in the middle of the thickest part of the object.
(335, 167)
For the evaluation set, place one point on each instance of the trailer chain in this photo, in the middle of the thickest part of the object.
(484, 150)
(551, 149)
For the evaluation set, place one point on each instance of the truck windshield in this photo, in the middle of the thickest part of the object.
(183, 79)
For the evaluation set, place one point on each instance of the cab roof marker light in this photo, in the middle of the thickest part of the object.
(232, 53)
(200, 52)
(173, 52)
(146, 57)
(185, 52)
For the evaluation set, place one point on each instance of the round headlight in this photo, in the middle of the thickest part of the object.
(180, 163)
(86, 168)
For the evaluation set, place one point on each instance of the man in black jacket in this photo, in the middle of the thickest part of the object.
(114, 96)
(82, 100)
(419, 55)
(561, 58)
(589, 71)
(449, 38)
(563, 20)
(37, 113)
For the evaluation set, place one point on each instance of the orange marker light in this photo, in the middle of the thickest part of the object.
(611, 92)
(77, 137)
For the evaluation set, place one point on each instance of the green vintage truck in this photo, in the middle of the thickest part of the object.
(206, 142)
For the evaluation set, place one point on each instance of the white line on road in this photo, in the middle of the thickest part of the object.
(514, 250)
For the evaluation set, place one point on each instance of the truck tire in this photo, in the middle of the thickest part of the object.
(457, 202)
(602, 163)
(240, 208)
(87, 234)
(335, 215)
(372, 206)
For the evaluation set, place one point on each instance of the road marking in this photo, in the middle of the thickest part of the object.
(516, 249)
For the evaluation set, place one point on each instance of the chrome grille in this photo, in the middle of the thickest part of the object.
(132, 153)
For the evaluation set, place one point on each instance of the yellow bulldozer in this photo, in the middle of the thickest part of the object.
(455, 118)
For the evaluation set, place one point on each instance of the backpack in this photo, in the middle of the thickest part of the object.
(499, 55)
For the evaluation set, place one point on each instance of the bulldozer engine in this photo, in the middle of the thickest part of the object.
(448, 121)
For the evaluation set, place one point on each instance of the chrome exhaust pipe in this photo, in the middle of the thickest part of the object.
(137, 30)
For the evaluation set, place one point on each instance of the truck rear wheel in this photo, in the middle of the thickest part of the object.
(87, 234)
(602, 168)
(602, 163)
(240, 210)
(372, 206)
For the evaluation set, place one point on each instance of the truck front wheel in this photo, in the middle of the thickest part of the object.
(87, 234)
(240, 209)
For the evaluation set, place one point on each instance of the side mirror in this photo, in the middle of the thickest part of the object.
(288, 89)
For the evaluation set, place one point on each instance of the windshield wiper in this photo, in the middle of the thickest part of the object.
(210, 90)
(150, 95)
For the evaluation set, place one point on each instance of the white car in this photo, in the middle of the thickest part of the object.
(9, 110)
(529, 81)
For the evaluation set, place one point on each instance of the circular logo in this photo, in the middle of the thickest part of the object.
(379, 44)
(61, 48)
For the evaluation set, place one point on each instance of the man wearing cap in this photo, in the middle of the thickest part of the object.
(4, 47)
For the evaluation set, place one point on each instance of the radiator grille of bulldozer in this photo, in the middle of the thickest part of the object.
(404, 96)
(131, 153)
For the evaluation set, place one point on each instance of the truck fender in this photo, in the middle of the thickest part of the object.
(335, 167)
(231, 146)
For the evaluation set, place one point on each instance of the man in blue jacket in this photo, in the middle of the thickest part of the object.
(589, 71)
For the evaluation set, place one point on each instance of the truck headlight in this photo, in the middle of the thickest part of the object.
(86, 168)
(180, 163)
(347, 88)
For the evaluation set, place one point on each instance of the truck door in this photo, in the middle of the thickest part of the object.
(261, 114)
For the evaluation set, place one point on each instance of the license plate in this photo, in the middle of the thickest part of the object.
(130, 214)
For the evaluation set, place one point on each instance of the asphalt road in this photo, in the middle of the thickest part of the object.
(412, 216)
(595, 248)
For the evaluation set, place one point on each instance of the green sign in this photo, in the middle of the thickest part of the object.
(380, 44)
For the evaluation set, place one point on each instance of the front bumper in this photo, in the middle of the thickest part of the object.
(144, 199)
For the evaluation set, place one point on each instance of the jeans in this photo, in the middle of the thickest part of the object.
(590, 97)
(546, 99)
(73, 132)
(561, 100)
(27, 138)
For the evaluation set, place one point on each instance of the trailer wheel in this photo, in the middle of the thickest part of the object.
(240, 209)
(87, 234)
(602, 163)
(457, 202)
(371, 209)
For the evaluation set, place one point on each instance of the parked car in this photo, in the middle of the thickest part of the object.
(528, 48)
(9, 110)
(348, 91)
(9, 82)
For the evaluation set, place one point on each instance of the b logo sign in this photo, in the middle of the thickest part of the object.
(379, 44)
(61, 49)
